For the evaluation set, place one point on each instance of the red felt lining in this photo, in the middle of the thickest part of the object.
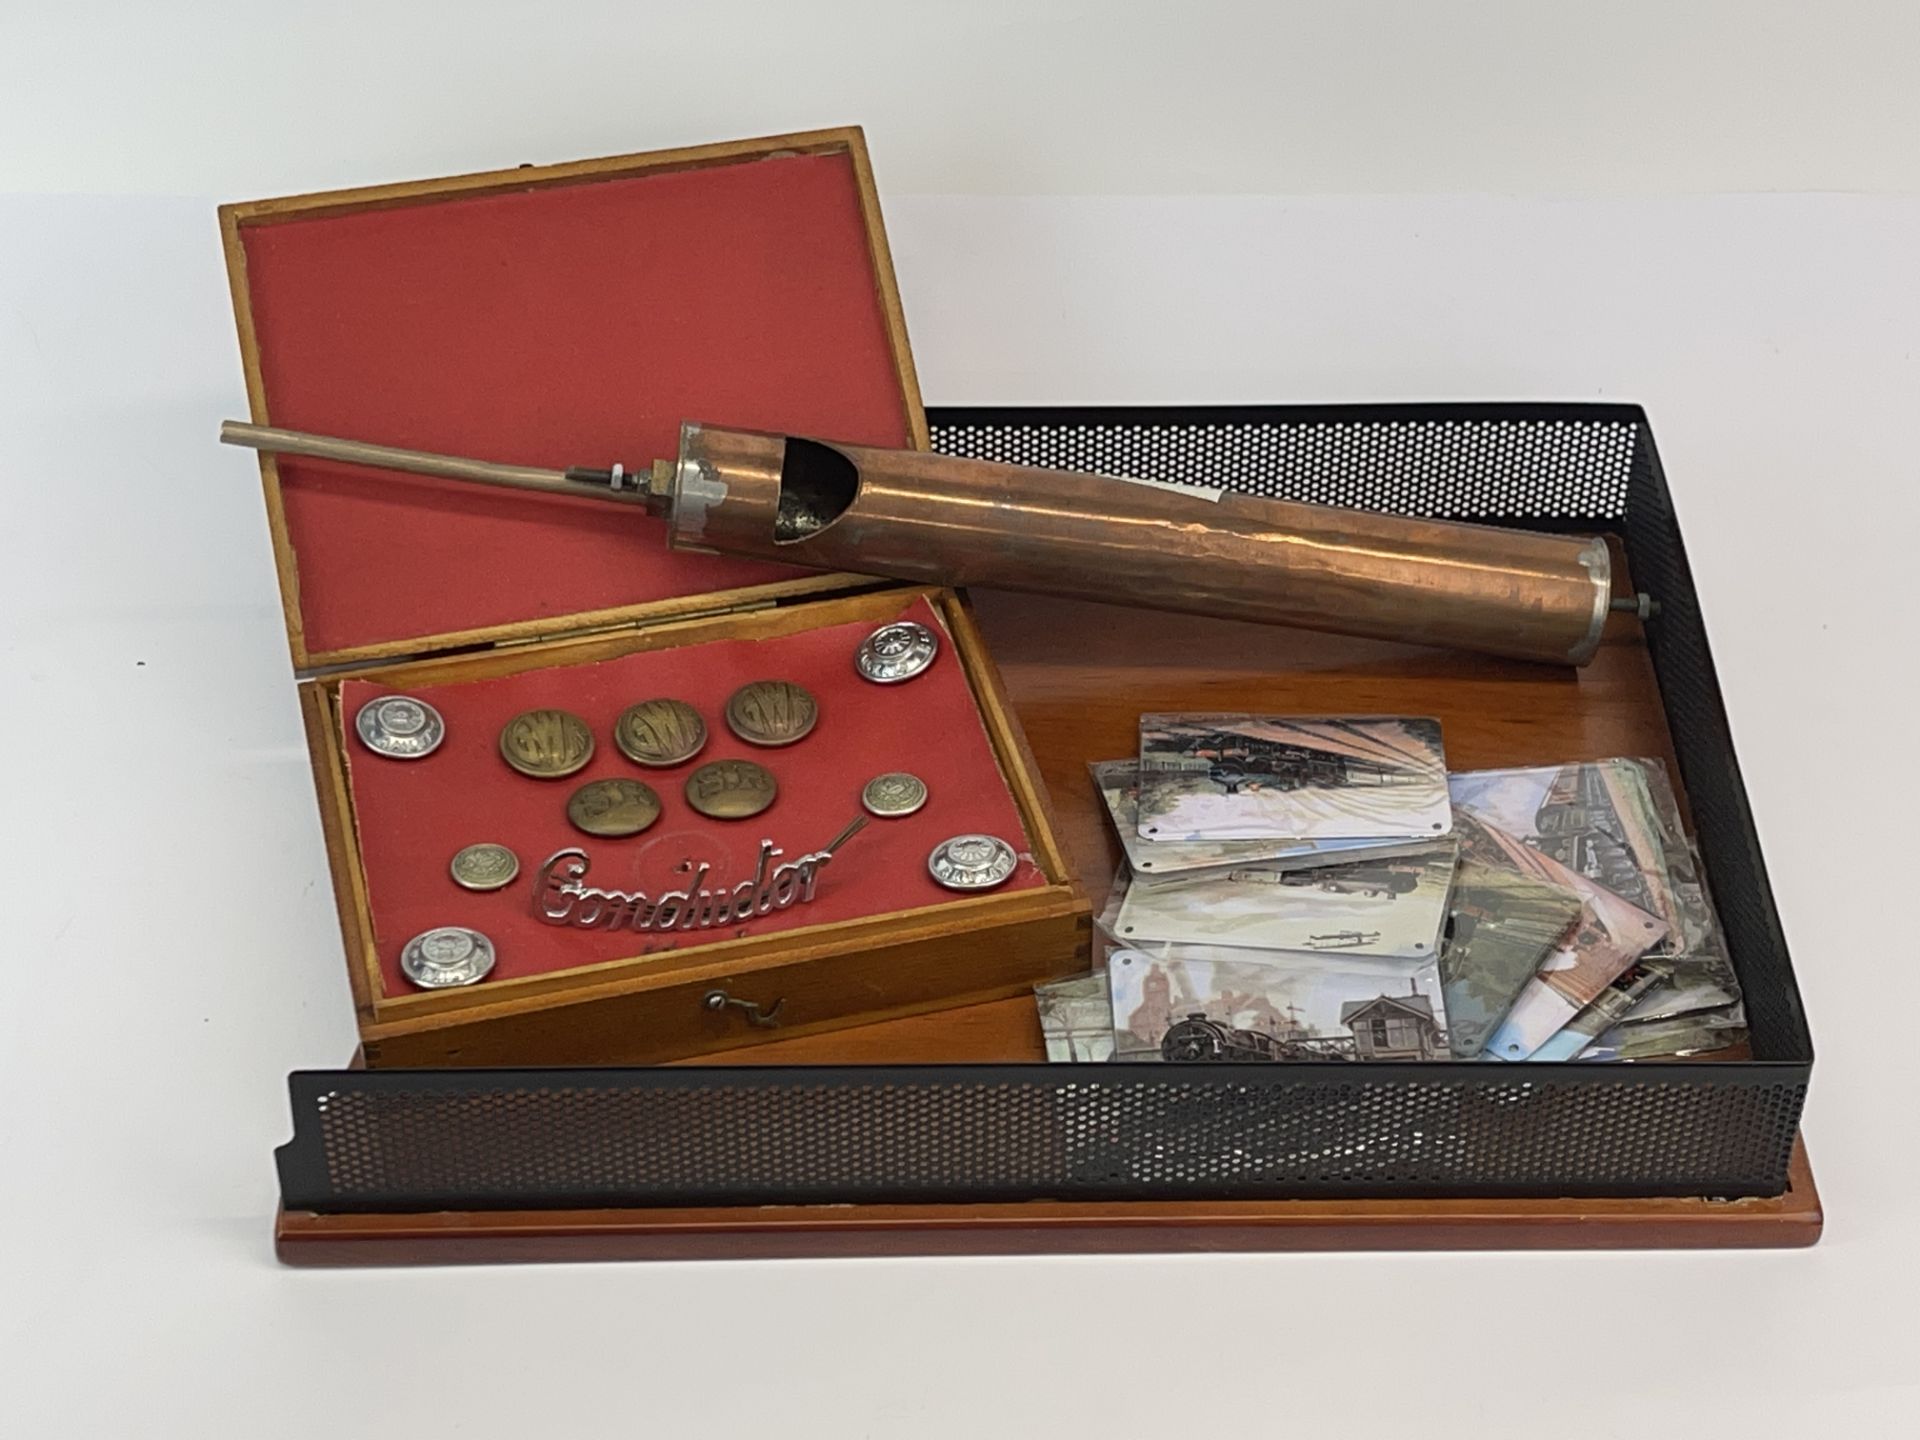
(573, 324)
(412, 815)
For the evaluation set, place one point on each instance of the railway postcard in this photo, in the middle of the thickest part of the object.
(1596, 819)
(1211, 1002)
(1382, 908)
(1260, 777)
(1151, 861)
(1501, 927)
(1076, 1018)
(1613, 934)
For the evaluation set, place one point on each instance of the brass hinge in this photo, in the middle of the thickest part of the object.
(621, 627)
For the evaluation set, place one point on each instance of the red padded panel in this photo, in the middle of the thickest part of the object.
(575, 324)
(412, 815)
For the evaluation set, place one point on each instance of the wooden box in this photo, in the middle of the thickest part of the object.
(577, 314)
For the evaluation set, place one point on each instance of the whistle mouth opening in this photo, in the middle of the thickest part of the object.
(817, 484)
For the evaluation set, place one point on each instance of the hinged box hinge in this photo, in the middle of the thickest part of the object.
(620, 627)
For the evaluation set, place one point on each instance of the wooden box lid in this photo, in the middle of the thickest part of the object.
(554, 315)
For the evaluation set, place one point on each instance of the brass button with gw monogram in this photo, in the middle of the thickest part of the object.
(771, 712)
(613, 807)
(660, 732)
(731, 789)
(546, 744)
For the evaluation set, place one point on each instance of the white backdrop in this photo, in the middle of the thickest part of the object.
(240, 98)
(166, 931)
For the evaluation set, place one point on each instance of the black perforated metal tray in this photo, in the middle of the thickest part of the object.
(418, 1140)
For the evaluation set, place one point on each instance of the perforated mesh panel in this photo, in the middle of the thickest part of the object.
(423, 1140)
(1511, 467)
(1703, 744)
(977, 1133)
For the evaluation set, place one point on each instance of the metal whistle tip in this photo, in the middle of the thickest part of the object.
(616, 484)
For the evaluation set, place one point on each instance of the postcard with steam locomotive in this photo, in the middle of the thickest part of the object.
(1251, 777)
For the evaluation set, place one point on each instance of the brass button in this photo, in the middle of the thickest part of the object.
(731, 789)
(771, 712)
(660, 732)
(546, 744)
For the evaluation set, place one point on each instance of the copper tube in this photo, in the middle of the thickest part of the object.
(908, 515)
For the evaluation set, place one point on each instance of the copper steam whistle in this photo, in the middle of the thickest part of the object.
(910, 515)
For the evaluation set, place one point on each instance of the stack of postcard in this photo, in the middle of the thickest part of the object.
(1644, 953)
(1322, 889)
(1286, 897)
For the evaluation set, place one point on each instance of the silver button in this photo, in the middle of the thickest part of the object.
(896, 652)
(400, 727)
(451, 955)
(972, 862)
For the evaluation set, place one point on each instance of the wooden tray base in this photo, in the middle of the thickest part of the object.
(1054, 1227)
(1079, 676)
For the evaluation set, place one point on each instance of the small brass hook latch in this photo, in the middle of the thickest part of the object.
(718, 1000)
